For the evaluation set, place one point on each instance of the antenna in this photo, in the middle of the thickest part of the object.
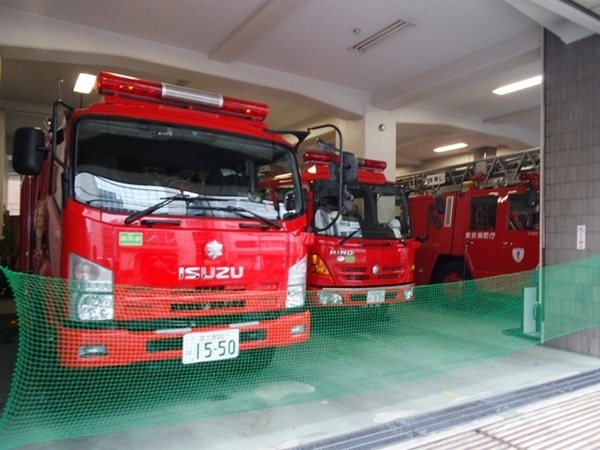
(60, 81)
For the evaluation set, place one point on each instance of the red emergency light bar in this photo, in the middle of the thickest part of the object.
(112, 83)
(371, 164)
(530, 178)
(320, 157)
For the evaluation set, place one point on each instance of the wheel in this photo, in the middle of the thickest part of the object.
(452, 275)
(451, 272)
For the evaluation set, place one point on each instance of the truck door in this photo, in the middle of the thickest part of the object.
(481, 237)
(518, 235)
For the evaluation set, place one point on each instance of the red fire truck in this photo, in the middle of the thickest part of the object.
(363, 249)
(148, 204)
(476, 220)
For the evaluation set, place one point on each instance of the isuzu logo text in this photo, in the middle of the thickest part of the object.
(211, 273)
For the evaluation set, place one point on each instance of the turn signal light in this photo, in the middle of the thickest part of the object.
(317, 265)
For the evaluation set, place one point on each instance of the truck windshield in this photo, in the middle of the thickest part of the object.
(368, 211)
(128, 167)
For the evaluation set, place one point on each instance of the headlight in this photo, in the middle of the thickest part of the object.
(91, 290)
(330, 298)
(296, 289)
(95, 307)
(409, 294)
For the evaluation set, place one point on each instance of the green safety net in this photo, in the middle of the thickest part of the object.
(350, 350)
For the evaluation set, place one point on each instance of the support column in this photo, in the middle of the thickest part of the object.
(373, 137)
(3, 171)
(380, 139)
(353, 132)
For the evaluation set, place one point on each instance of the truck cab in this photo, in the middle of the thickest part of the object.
(147, 205)
(362, 254)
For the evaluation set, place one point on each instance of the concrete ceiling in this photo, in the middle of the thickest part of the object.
(436, 76)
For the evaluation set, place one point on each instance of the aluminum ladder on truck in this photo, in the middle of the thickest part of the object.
(496, 171)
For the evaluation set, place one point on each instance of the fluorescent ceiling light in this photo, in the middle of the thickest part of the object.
(447, 148)
(518, 85)
(367, 43)
(85, 83)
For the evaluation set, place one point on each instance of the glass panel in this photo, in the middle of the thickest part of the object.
(521, 216)
(483, 213)
(368, 211)
(128, 166)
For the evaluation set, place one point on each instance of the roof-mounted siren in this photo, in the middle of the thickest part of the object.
(371, 164)
(108, 83)
(326, 158)
(351, 164)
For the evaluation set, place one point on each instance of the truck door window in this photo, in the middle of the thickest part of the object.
(483, 213)
(521, 216)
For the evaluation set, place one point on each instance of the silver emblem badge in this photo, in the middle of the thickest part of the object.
(375, 269)
(518, 253)
(213, 249)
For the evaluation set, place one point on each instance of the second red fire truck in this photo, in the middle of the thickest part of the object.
(363, 249)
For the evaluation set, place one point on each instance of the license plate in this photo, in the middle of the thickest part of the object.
(210, 346)
(375, 296)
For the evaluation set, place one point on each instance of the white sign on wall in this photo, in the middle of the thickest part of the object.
(580, 237)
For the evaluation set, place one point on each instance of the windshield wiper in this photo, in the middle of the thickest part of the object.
(104, 200)
(138, 215)
(234, 209)
(240, 211)
(347, 238)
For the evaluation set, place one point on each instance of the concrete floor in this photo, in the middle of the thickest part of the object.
(302, 423)
(289, 426)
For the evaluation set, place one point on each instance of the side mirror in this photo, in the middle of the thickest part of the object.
(28, 151)
(440, 205)
(289, 202)
(431, 219)
(350, 167)
(531, 198)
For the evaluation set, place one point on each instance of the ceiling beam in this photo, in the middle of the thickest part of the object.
(25, 108)
(253, 29)
(513, 116)
(30, 36)
(513, 52)
(566, 21)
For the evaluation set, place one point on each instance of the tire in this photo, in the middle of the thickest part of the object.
(453, 274)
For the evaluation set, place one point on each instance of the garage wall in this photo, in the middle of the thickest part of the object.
(572, 180)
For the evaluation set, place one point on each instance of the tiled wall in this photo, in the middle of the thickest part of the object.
(571, 190)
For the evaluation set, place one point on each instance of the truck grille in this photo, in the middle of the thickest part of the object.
(207, 289)
(208, 305)
(362, 273)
